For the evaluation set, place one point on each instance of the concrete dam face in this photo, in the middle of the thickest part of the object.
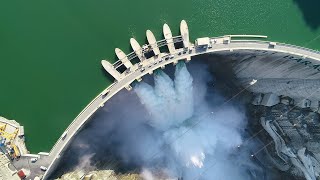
(254, 113)
(275, 72)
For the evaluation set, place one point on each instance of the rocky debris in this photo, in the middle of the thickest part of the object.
(99, 175)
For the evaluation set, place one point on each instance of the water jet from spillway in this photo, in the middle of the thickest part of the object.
(170, 104)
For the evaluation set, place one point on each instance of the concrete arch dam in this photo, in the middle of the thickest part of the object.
(275, 68)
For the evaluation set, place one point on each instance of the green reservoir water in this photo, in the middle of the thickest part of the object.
(50, 51)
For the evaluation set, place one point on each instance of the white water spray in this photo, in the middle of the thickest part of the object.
(176, 128)
(214, 139)
(169, 103)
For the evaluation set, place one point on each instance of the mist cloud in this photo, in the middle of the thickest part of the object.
(174, 125)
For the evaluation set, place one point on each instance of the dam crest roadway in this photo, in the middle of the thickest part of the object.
(135, 72)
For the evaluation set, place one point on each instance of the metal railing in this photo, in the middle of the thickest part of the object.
(299, 47)
(278, 44)
(246, 36)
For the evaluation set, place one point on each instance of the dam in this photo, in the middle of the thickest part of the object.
(274, 72)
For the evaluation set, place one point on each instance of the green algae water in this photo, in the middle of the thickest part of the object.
(50, 51)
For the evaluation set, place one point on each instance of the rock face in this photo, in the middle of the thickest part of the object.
(295, 134)
(99, 175)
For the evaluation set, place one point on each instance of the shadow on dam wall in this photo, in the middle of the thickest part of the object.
(310, 11)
